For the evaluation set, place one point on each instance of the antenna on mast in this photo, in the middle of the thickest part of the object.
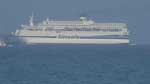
(31, 20)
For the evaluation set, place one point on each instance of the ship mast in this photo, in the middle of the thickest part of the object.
(31, 20)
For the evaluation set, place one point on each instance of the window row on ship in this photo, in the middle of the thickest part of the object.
(78, 29)
(80, 26)
(85, 29)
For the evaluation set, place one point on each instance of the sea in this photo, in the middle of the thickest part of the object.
(75, 64)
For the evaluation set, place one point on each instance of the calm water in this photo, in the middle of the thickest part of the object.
(75, 64)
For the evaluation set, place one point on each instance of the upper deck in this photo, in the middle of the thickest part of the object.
(82, 23)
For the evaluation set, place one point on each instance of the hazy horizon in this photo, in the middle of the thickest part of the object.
(135, 13)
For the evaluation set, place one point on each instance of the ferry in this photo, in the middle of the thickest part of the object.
(82, 31)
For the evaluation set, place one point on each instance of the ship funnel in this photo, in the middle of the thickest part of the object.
(83, 19)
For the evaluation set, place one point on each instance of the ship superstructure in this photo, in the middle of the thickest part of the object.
(83, 31)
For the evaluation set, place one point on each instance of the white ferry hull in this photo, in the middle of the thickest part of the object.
(36, 40)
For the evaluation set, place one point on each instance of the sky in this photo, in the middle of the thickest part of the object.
(136, 13)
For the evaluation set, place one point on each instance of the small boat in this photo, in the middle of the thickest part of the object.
(2, 43)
